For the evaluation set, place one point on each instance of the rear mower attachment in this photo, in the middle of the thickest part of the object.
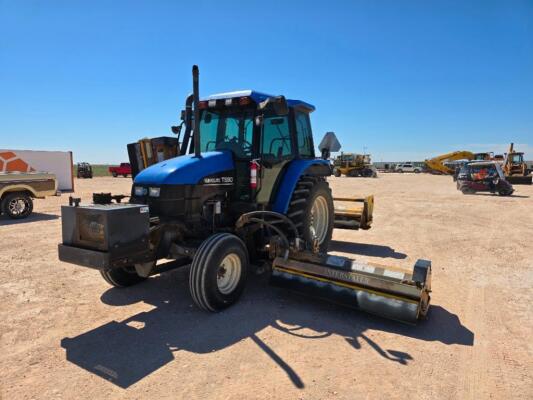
(386, 291)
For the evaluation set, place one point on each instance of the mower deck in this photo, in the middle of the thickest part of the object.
(386, 291)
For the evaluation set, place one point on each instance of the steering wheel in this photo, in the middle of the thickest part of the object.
(246, 146)
(238, 147)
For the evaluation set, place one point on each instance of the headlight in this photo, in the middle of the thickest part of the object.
(139, 191)
(154, 191)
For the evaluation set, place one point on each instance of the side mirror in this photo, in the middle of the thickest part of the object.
(329, 144)
(176, 129)
(258, 120)
(278, 104)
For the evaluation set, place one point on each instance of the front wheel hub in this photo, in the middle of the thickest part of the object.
(229, 273)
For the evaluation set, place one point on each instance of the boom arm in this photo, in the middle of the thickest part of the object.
(436, 164)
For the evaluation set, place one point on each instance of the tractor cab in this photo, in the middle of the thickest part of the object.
(263, 133)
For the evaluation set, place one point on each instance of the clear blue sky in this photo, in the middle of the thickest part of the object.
(404, 79)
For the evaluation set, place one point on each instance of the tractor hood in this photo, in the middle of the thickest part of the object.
(187, 169)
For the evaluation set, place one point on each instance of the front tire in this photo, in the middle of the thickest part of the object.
(218, 272)
(122, 277)
(337, 172)
(17, 205)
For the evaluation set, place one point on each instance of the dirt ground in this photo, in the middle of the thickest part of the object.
(66, 334)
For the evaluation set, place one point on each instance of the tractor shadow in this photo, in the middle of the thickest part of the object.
(364, 249)
(34, 217)
(125, 352)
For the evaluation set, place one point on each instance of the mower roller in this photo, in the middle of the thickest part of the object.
(246, 191)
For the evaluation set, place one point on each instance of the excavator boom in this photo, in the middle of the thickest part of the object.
(436, 164)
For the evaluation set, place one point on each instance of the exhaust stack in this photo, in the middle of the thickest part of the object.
(196, 100)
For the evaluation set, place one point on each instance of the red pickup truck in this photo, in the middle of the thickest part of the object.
(123, 169)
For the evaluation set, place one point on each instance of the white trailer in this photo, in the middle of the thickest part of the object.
(58, 163)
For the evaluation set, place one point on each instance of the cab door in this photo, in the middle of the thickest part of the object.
(275, 151)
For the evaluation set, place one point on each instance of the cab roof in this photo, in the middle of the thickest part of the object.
(259, 97)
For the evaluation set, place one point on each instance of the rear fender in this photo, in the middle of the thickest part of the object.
(292, 174)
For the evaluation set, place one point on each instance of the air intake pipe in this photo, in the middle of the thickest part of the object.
(188, 126)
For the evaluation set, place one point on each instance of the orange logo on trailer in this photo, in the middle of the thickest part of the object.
(10, 162)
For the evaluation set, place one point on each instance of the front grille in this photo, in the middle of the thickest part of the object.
(172, 201)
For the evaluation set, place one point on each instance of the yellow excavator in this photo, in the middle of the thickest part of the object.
(436, 165)
(514, 167)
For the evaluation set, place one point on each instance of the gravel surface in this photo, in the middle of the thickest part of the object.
(66, 334)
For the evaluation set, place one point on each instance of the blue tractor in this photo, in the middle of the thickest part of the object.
(246, 191)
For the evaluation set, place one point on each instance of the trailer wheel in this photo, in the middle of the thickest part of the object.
(122, 277)
(218, 272)
(311, 209)
(17, 205)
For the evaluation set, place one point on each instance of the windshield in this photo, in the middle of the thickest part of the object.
(227, 130)
(516, 158)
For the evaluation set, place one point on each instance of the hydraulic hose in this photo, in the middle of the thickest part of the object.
(244, 217)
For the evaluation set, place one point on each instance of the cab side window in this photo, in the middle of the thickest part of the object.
(304, 135)
(276, 138)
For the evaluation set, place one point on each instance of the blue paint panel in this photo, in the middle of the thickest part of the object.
(289, 180)
(259, 97)
(187, 169)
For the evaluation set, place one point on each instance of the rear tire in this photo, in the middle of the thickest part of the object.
(17, 205)
(311, 209)
(337, 172)
(218, 272)
(125, 175)
(114, 174)
(122, 277)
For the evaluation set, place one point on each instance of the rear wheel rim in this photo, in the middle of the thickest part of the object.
(319, 219)
(18, 206)
(229, 273)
